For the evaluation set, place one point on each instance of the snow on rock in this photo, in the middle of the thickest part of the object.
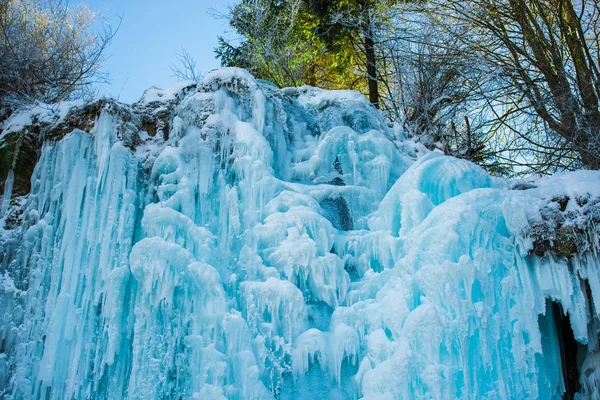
(228, 240)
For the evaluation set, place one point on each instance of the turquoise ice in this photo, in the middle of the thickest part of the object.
(285, 244)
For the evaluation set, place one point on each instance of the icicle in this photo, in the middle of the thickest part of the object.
(8, 186)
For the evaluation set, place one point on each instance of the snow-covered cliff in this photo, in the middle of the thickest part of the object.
(233, 241)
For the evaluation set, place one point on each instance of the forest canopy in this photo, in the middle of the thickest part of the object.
(510, 84)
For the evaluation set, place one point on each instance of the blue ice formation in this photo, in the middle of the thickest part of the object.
(285, 244)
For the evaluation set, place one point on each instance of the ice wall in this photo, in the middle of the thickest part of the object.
(258, 244)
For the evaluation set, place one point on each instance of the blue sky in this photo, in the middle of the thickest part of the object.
(151, 34)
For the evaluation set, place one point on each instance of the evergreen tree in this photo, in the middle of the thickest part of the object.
(330, 44)
(352, 23)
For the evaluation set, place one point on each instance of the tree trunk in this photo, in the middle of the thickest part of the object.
(312, 74)
(589, 155)
(589, 161)
(371, 61)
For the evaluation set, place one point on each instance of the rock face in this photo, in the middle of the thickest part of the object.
(228, 240)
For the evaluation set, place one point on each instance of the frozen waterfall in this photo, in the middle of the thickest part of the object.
(229, 240)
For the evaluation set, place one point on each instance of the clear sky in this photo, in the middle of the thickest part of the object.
(151, 34)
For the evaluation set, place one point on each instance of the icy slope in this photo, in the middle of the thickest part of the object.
(234, 241)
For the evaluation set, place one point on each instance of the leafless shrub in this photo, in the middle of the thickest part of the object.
(49, 51)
